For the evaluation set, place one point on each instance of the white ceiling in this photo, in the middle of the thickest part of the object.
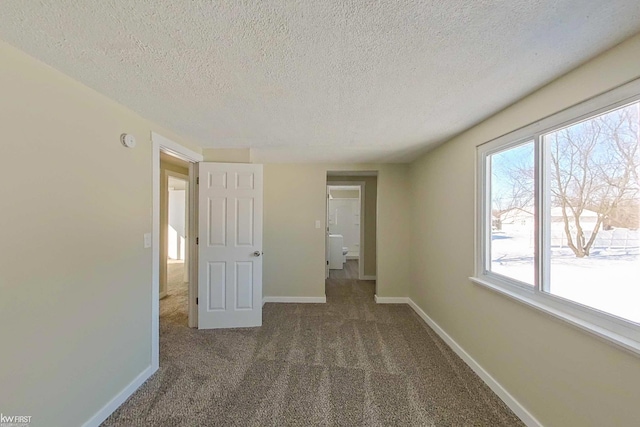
(313, 80)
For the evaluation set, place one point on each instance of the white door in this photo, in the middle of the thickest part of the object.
(229, 245)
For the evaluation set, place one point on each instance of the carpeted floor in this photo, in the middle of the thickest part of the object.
(174, 307)
(348, 362)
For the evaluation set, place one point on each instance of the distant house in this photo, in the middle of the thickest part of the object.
(516, 218)
(523, 218)
(586, 217)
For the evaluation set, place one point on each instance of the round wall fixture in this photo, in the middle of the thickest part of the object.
(128, 140)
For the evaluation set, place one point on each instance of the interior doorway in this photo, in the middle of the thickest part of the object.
(164, 148)
(178, 217)
(174, 239)
(343, 184)
(345, 229)
(351, 233)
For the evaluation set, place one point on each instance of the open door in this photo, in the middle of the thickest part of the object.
(229, 245)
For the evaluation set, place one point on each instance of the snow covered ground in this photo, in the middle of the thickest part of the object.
(608, 280)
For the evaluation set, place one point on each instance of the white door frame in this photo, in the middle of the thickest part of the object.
(160, 143)
(362, 185)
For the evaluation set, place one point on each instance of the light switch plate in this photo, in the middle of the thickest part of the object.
(318, 224)
(147, 240)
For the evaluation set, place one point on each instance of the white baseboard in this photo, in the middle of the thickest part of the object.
(497, 388)
(296, 300)
(367, 278)
(390, 300)
(119, 398)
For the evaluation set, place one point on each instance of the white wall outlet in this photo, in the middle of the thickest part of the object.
(318, 224)
(147, 240)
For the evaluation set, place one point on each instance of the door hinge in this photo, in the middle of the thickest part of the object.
(327, 262)
(197, 180)
(196, 300)
(197, 240)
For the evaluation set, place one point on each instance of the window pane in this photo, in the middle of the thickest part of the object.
(594, 209)
(512, 213)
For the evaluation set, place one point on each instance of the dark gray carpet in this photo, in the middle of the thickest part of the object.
(348, 362)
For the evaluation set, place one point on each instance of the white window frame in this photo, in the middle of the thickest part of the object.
(622, 332)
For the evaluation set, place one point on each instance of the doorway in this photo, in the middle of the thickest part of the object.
(174, 240)
(367, 182)
(351, 234)
(165, 148)
(345, 229)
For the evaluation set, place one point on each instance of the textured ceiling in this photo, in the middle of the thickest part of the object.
(304, 80)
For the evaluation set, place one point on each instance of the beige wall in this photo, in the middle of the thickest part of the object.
(75, 279)
(562, 375)
(172, 164)
(370, 218)
(294, 250)
(227, 155)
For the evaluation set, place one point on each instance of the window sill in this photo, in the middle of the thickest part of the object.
(607, 335)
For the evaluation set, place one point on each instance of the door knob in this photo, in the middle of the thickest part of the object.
(257, 253)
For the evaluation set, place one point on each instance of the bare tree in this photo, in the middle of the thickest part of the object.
(594, 166)
(515, 194)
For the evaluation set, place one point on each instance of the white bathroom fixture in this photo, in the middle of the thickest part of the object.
(336, 258)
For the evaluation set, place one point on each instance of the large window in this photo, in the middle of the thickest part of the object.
(559, 215)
